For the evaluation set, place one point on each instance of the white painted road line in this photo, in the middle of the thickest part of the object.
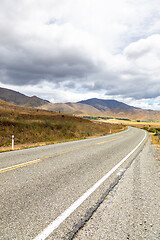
(55, 224)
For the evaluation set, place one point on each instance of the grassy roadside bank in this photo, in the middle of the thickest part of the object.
(152, 127)
(35, 127)
(154, 133)
(155, 136)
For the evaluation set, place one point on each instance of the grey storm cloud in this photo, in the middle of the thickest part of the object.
(31, 53)
(25, 66)
(141, 92)
(30, 64)
(59, 42)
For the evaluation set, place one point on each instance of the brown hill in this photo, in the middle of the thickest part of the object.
(81, 109)
(72, 108)
(20, 99)
(91, 107)
(135, 114)
(32, 127)
(105, 104)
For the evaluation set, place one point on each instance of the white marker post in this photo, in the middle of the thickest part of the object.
(12, 142)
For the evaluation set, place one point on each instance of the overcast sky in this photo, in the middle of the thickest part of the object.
(70, 50)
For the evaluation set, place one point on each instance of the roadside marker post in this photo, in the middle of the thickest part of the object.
(12, 142)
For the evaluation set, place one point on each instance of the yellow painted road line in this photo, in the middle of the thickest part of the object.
(72, 150)
(54, 155)
(19, 165)
(109, 140)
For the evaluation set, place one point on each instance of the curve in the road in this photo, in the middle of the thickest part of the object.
(55, 224)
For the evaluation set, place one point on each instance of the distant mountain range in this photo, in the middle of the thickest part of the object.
(103, 105)
(90, 107)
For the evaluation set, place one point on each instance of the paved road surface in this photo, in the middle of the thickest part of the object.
(132, 210)
(40, 184)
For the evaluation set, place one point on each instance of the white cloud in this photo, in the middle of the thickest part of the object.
(145, 53)
(84, 48)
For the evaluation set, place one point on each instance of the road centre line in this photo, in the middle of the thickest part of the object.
(72, 150)
(19, 165)
(60, 219)
(54, 155)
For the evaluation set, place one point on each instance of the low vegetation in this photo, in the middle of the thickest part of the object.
(129, 122)
(155, 134)
(155, 140)
(31, 126)
(152, 127)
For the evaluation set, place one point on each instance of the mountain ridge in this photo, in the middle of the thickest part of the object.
(82, 109)
(90, 107)
(104, 104)
(20, 99)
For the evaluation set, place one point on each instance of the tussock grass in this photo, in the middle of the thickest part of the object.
(31, 126)
(155, 134)
(155, 140)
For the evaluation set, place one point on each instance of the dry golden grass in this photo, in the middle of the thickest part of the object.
(155, 140)
(33, 127)
(152, 127)
(132, 123)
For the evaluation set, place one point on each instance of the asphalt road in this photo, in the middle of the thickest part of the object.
(132, 209)
(42, 184)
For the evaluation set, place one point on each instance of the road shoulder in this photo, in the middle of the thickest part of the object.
(132, 209)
